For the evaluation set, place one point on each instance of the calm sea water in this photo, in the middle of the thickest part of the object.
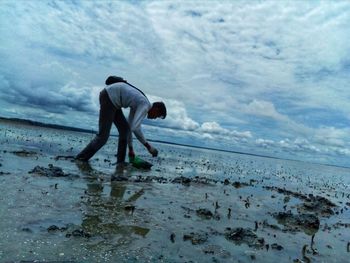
(106, 230)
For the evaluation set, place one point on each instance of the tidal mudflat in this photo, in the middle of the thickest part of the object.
(194, 205)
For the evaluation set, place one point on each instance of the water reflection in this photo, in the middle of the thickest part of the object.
(108, 216)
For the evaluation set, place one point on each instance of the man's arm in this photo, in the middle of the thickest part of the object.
(135, 119)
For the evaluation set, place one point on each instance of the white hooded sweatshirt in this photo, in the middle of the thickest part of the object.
(123, 95)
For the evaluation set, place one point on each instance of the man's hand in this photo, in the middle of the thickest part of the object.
(131, 153)
(151, 150)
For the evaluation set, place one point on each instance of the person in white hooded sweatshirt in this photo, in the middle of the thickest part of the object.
(119, 94)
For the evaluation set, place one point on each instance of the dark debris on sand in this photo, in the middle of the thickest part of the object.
(186, 181)
(309, 223)
(150, 179)
(54, 228)
(286, 192)
(78, 233)
(196, 238)
(276, 246)
(36, 261)
(318, 205)
(182, 180)
(71, 231)
(247, 236)
(238, 184)
(51, 171)
(204, 213)
(65, 157)
(207, 214)
(24, 153)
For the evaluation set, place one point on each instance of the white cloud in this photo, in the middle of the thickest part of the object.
(177, 116)
(264, 108)
(332, 136)
(224, 68)
(212, 127)
(215, 128)
(264, 143)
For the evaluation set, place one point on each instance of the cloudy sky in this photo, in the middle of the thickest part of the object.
(264, 77)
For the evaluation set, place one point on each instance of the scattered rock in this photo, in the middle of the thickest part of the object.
(252, 181)
(309, 223)
(229, 213)
(55, 228)
(312, 204)
(129, 208)
(52, 171)
(196, 238)
(226, 182)
(311, 207)
(182, 180)
(203, 180)
(187, 209)
(150, 179)
(24, 153)
(340, 225)
(216, 250)
(78, 233)
(286, 192)
(172, 237)
(318, 205)
(27, 229)
(159, 179)
(267, 225)
(64, 157)
(204, 213)
(286, 199)
(244, 235)
(237, 184)
(276, 246)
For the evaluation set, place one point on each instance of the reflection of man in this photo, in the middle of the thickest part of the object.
(103, 215)
(116, 95)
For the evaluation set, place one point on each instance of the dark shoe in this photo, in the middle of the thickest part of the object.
(121, 167)
(119, 172)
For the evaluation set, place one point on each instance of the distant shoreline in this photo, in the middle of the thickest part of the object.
(74, 129)
(46, 125)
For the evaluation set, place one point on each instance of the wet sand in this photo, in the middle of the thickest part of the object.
(194, 205)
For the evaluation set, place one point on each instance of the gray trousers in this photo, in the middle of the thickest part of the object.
(108, 114)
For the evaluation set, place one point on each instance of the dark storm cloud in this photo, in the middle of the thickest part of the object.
(48, 98)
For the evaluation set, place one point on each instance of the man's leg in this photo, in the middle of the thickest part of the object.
(107, 112)
(123, 129)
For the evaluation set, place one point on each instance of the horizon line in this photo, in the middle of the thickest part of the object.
(76, 129)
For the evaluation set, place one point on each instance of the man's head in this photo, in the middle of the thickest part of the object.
(158, 110)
